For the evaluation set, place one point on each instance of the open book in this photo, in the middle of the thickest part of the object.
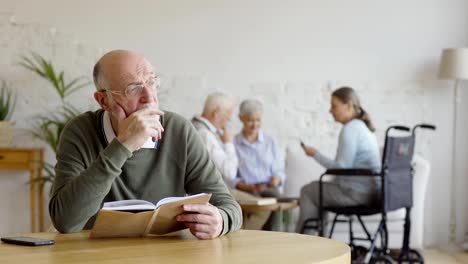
(135, 218)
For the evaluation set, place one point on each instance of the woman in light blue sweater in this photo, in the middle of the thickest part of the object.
(357, 148)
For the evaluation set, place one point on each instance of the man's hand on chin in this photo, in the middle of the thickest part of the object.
(135, 129)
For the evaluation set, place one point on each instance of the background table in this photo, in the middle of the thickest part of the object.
(30, 160)
(244, 246)
(283, 221)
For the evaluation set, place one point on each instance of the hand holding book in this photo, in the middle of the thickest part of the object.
(203, 220)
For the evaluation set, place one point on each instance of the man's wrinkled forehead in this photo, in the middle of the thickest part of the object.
(127, 67)
(139, 71)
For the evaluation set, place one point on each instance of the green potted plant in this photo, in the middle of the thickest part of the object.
(7, 105)
(48, 127)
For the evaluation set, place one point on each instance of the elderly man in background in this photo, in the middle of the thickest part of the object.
(261, 167)
(212, 126)
(119, 152)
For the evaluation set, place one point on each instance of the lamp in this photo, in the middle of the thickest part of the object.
(454, 66)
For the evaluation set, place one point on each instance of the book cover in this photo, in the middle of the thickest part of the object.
(136, 218)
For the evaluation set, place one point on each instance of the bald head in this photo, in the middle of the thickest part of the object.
(119, 65)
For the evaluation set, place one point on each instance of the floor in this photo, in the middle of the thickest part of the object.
(436, 256)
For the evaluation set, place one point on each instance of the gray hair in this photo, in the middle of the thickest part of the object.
(215, 100)
(249, 107)
(99, 81)
(346, 94)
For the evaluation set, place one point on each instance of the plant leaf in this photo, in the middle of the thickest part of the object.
(7, 101)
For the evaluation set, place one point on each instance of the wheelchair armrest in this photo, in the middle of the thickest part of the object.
(349, 172)
(352, 172)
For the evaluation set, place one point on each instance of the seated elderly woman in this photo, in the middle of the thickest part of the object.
(357, 148)
(261, 168)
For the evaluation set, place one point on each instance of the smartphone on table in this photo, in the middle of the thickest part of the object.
(27, 241)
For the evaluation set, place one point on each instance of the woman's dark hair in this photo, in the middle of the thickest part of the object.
(346, 94)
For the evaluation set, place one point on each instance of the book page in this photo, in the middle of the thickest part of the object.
(165, 221)
(129, 205)
(174, 199)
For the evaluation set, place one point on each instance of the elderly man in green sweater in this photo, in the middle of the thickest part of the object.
(130, 149)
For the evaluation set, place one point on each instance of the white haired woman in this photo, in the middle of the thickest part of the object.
(261, 167)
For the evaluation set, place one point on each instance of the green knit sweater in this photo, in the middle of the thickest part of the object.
(90, 171)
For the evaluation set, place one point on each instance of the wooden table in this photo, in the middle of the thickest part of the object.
(244, 246)
(280, 208)
(30, 160)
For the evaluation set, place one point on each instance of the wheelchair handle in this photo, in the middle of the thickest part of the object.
(403, 128)
(425, 126)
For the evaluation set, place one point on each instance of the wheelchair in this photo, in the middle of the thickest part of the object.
(396, 178)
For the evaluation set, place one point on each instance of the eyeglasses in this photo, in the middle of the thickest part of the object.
(135, 90)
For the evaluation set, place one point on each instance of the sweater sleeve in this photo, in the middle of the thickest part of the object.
(79, 189)
(202, 176)
(346, 152)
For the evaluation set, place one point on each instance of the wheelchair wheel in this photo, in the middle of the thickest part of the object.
(416, 256)
(382, 260)
(358, 252)
(412, 256)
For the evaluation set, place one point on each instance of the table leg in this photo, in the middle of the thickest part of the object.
(244, 218)
(278, 221)
(41, 202)
(32, 197)
(286, 219)
(41, 191)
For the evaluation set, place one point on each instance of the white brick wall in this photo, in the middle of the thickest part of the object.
(289, 55)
